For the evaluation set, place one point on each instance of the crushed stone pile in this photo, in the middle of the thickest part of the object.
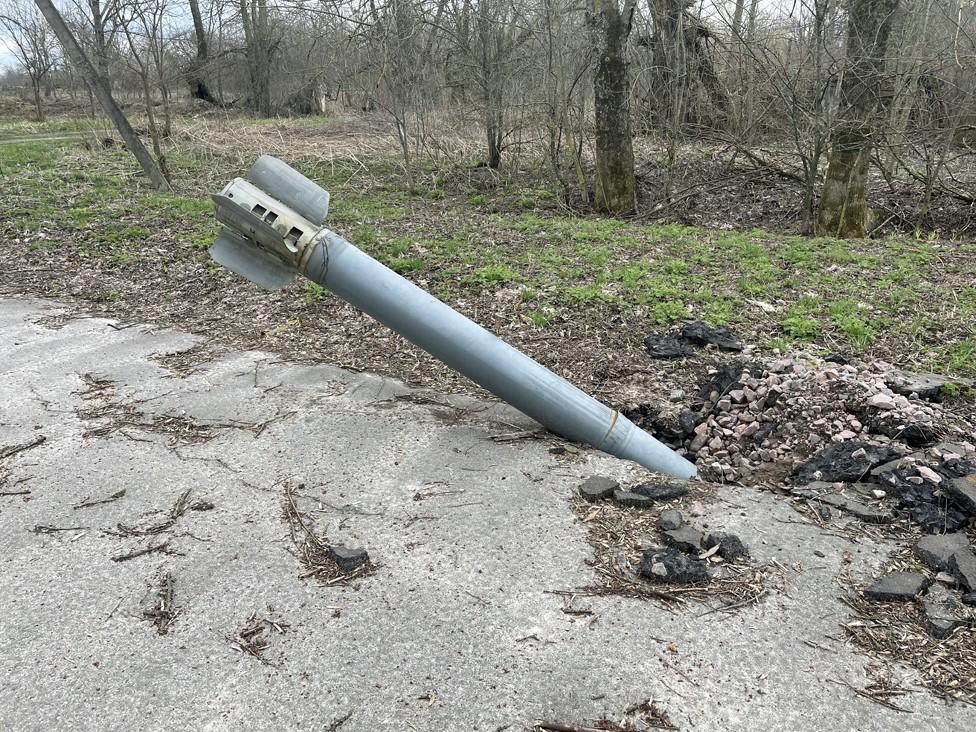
(756, 421)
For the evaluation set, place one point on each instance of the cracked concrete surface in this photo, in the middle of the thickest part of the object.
(458, 629)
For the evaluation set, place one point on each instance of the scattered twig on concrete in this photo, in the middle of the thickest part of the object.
(876, 697)
(14, 493)
(163, 612)
(161, 547)
(512, 436)
(42, 529)
(181, 506)
(86, 503)
(254, 638)
(11, 450)
(338, 722)
(560, 727)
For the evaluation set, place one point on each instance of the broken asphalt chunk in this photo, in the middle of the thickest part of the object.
(703, 334)
(943, 611)
(962, 492)
(836, 462)
(685, 538)
(682, 343)
(730, 546)
(349, 559)
(962, 564)
(634, 500)
(671, 565)
(670, 520)
(661, 491)
(926, 386)
(597, 487)
(668, 346)
(820, 492)
(897, 587)
(936, 550)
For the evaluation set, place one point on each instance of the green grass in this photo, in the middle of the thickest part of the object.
(466, 244)
(15, 156)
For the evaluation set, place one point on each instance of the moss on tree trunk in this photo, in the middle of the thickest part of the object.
(843, 210)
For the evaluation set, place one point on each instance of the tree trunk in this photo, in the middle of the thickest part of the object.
(195, 73)
(100, 89)
(615, 183)
(670, 60)
(843, 202)
(36, 85)
(100, 18)
(259, 49)
(493, 129)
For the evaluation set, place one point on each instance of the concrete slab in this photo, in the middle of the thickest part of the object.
(458, 629)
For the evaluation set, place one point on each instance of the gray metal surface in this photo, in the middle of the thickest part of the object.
(302, 195)
(465, 346)
(259, 266)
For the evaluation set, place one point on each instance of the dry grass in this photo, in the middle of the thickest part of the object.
(644, 715)
(254, 639)
(894, 631)
(312, 548)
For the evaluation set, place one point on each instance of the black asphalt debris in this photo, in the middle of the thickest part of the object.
(349, 559)
(597, 487)
(730, 546)
(897, 587)
(685, 538)
(843, 462)
(690, 336)
(661, 491)
(672, 565)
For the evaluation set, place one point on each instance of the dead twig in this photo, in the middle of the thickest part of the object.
(41, 529)
(86, 503)
(11, 450)
(141, 552)
(876, 697)
(163, 611)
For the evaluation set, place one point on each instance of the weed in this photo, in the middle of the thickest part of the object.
(538, 318)
(586, 294)
(667, 312)
(314, 292)
(495, 273)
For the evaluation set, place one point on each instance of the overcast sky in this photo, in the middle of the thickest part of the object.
(6, 58)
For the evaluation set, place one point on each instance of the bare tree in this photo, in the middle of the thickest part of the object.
(143, 28)
(196, 69)
(260, 46)
(33, 44)
(101, 90)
